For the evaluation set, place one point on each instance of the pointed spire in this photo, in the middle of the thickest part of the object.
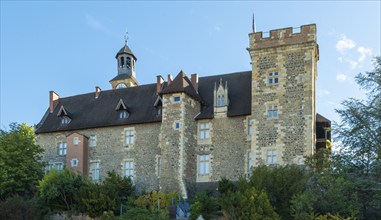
(254, 23)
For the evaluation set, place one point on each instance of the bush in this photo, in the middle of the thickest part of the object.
(19, 208)
(204, 204)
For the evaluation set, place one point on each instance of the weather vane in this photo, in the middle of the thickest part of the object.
(126, 37)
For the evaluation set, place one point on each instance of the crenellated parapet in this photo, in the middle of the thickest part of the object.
(284, 36)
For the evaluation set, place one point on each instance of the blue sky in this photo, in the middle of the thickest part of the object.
(70, 47)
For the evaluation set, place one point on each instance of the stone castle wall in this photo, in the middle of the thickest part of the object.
(294, 57)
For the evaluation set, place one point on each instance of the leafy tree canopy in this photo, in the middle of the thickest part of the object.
(20, 161)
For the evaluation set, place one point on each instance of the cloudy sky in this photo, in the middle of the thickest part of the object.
(70, 47)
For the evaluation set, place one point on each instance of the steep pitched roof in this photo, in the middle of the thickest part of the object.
(320, 118)
(239, 85)
(181, 84)
(89, 112)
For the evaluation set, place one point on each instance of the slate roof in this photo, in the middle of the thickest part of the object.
(181, 84)
(88, 112)
(320, 118)
(125, 50)
(239, 92)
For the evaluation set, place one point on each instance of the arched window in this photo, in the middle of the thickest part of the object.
(128, 62)
(122, 61)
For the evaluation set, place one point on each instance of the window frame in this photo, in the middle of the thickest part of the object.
(76, 164)
(94, 170)
(273, 78)
(128, 171)
(129, 137)
(204, 131)
(272, 112)
(61, 148)
(203, 165)
(176, 99)
(93, 140)
(272, 156)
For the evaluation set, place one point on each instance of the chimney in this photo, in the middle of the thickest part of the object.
(169, 79)
(194, 80)
(97, 91)
(159, 83)
(53, 96)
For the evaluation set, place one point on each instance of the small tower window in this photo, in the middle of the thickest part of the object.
(122, 61)
(273, 78)
(128, 62)
(220, 100)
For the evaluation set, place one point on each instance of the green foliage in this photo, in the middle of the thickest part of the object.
(95, 200)
(280, 184)
(246, 202)
(19, 208)
(137, 214)
(58, 190)
(20, 166)
(150, 201)
(204, 204)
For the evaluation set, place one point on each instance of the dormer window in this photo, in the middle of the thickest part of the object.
(122, 109)
(65, 120)
(64, 116)
(123, 114)
(220, 100)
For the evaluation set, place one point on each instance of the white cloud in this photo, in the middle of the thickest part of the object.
(341, 77)
(217, 27)
(352, 63)
(323, 92)
(344, 44)
(92, 22)
(364, 52)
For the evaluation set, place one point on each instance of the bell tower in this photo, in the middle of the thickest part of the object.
(126, 62)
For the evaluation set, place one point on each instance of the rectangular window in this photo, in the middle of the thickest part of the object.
(75, 141)
(74, 162)
(58, 166)
(129, 137)
(128, 169)
(250, 128)
(94, 169)
(176, 99)
(271, 157)
(220, 100)
(203, 165)
(272, 112)
(249, 162)
(204, 131)
(93, 141)
(158, 166)
(177, 125)
(273, 78)
(61, 149)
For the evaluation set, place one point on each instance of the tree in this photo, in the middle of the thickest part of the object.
(360, 135)
(20, 161)
(280, 184)
(245, 202)
(204, 204)
(59, 189)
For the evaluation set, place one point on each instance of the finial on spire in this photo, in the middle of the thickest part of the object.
(254, 23)
(126, 38)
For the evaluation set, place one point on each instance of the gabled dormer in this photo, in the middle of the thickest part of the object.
(121, 108)
(221, 100)
(64, 115)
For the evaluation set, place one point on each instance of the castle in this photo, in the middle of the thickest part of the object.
(186, 133)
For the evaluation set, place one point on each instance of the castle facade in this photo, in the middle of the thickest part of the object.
(186, 133)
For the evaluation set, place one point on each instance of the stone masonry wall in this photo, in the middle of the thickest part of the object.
(294, 57)
(110, 150)
(227, 148)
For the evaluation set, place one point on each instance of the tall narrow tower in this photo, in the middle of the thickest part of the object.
(126, 62)
(284, 71)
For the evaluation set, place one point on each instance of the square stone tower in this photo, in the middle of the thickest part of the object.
(284, 72)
